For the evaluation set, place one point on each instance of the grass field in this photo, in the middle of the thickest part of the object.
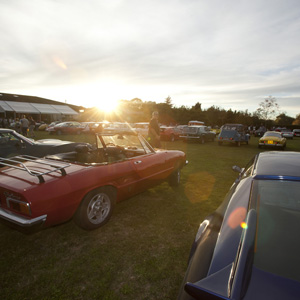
(141, 253)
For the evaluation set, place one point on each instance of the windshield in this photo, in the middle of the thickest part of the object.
(232, 127)
(277, 243)
(7, 136)
(127, 141)
(274, 134)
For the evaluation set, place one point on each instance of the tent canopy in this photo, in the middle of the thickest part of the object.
(36, 108)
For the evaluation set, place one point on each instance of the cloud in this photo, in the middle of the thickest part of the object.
(226, 53)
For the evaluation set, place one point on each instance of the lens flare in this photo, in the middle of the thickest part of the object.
(244, 225)
(237, 217)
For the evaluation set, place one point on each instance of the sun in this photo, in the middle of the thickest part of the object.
(105, 96)
(108, 105)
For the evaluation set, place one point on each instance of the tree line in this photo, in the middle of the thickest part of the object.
(136, 110)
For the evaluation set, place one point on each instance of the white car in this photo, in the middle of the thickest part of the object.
(141, 128)
(287, 133)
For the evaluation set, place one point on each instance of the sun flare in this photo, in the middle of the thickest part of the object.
(107, 106)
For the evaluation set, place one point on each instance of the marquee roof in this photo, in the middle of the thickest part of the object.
(36, 108)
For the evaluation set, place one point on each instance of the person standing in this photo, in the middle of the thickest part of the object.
(24, 125)
(31, 127)
(154, 131)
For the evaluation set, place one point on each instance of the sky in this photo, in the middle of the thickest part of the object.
(231, 54)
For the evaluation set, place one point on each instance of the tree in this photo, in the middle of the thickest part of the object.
(284, 120)
(268, 108)
(297, 120)
(197, 106)
(168, 101)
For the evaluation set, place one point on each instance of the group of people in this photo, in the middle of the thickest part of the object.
(25, 125)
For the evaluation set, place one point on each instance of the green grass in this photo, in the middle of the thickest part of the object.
(141, 253)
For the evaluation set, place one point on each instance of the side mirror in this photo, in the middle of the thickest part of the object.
(237, 169)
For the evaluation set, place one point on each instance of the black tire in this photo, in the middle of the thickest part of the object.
(95, 209)
(175, 177)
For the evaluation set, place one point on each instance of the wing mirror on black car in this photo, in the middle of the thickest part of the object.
(237, 169)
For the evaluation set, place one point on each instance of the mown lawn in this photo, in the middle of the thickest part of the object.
(141, 253)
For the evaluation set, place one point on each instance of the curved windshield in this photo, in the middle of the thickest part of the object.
(273, 134)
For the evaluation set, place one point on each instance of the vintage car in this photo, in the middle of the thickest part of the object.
(199, 134)
(249, 247)
(13, 143)
(233, 134)
(71, 127)
(260, 131)
(94, 127)
(287, 133)
(141, 128)
(84, 184)
(117, 127)
(169, 133)
(296, 132)
(272, 139)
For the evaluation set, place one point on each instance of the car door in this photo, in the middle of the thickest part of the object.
(150, 168)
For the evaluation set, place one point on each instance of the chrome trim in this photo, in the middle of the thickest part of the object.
(19, 220)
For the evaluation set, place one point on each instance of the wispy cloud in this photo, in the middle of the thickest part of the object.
(226, 53)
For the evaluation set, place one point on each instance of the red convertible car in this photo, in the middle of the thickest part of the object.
(84, 184)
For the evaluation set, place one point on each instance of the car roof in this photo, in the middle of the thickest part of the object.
(276, 163)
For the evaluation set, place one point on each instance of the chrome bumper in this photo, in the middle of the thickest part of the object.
(21, 221)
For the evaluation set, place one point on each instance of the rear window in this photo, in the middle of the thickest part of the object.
(277, 245)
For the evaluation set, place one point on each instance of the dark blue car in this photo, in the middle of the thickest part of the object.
(233, 134)
(249, 248)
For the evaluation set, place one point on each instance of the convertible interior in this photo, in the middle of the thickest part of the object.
(86, 154)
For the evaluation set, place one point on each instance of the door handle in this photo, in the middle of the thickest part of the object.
(137, 162)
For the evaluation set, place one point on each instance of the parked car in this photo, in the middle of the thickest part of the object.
(272, 139)
(141, 128)
(42, 127)
(117, 127)
(287, 133)
(260, 131)
(84, 184)
(200, 134)
(181, 128)
(93, 127)
(169, 133)
(296, 132)
(191, 123)
(233, 134)
(71, 127)
(13, 143)
(249, 247)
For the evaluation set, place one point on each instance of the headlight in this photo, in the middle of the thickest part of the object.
(15, 203)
